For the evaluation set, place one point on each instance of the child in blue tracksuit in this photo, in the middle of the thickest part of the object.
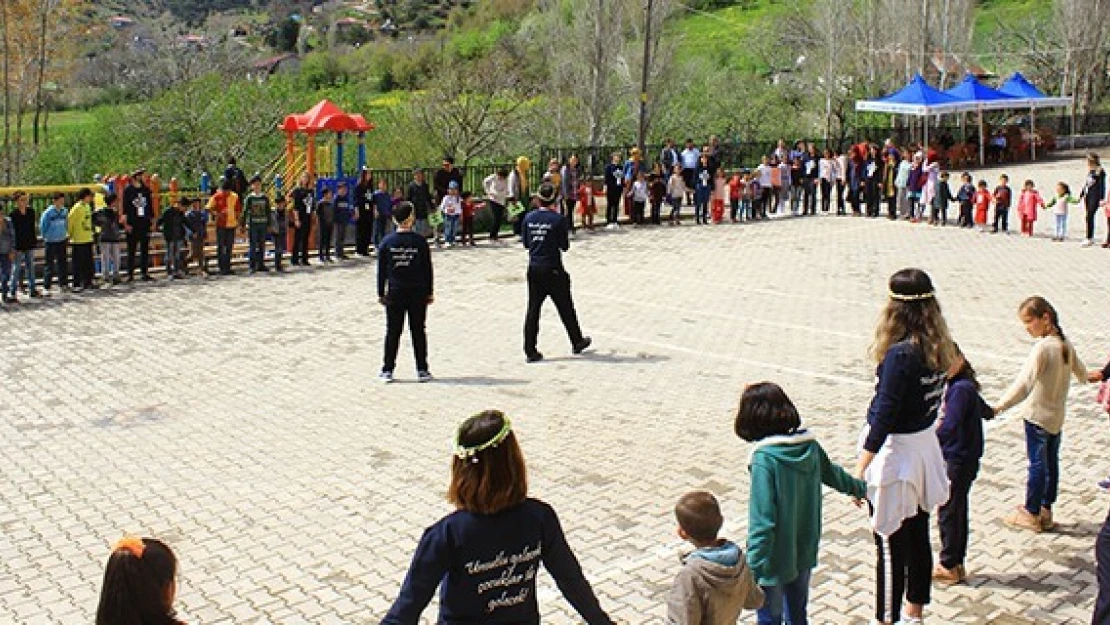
(788, 467)
(961, 441)
(703, 190)
(383, 213)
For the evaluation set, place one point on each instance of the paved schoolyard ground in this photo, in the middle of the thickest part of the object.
(240, 419)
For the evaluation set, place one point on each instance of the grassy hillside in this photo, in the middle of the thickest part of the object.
(724, 36)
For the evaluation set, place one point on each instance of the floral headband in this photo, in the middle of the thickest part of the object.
(462, 452)
(131, 544)
(901, 297)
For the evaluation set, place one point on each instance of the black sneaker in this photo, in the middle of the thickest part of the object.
(424, 376)
(534, 357)
(581, 346)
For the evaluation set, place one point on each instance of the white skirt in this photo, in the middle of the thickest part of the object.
(907, 475)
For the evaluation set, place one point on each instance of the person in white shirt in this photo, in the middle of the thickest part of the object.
(690, 157)
(1043, 384)
(767, 191)
(496, 187)
(826, 173)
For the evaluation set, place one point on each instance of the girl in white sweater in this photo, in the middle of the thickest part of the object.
(1044, 380)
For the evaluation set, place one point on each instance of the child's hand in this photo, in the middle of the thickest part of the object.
(858, 501)
(1094, 376)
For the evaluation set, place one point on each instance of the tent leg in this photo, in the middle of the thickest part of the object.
(1033, 133)
(982, 141)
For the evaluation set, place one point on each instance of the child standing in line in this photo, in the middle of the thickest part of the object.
(469, 208)
(325, 224)
(494, 542)
(961, 441)
(196, 221)
(1059, 205)
(106, 220)
(942, 197)
(982, 205)
(279, 230)
(7, 254)
(751, 197)
(587, 208)
(383, 215)
(786, 183)
(720, 196)
(788, 467)
(1044, 380)
(1002, 197)
(344, 216)
(1029, 202)
(657, 190)
(172, 223)
(676, 190)
(703, 192)
(966, 198)
(735, 192)
(139, 583)
(715, 583)
(640, 195)
(451, 209)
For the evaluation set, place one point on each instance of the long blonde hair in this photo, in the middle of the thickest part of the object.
(913, 313)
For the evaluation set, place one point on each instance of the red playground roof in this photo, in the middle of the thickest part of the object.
(325, 116)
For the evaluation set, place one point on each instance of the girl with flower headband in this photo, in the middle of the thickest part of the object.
(900, 456)
(139, 584)
(485, 556)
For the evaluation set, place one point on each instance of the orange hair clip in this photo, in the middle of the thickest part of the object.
(131, 544)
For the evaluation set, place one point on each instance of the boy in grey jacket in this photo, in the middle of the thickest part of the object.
(715, 583)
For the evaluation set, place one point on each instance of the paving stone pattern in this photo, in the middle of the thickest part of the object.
(240, 419)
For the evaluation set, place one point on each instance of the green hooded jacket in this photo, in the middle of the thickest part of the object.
(784, 510)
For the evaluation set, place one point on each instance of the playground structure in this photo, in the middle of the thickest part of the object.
(325, 117)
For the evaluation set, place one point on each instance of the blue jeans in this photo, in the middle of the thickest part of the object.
(785, 603)
(1061, 226)
(24, 263)
(1044, 468)
(450, 228)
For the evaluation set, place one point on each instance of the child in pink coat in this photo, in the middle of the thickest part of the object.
(1029, 202)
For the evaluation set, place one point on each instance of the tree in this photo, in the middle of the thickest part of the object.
(468, 110)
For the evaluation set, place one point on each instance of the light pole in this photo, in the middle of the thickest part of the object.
(642, 135)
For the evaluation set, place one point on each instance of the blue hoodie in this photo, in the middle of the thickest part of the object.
(53, 226)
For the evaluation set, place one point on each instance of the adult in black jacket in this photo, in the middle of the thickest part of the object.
(23, 227)
(236, 177)
(138, 209)
(364, 202)
(421, 198)
(444, 177)
(405, 288)
(545, 233)
(1094, 191)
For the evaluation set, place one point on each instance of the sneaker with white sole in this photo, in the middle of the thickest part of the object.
(1104, 484)
(385, 377)
(424, 376)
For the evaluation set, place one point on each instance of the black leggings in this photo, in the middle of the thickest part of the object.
(1092, 210)
(612, 204)
(904, 567)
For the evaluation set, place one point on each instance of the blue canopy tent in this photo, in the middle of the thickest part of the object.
(975, 96)
(1032, 97)
(916, 98)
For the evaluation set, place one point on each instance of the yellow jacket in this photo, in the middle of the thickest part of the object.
(79, 224)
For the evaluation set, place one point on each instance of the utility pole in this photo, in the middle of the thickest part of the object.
(642, 136)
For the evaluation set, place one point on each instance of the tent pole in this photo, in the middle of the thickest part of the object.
(982, 140)
(1033, 133)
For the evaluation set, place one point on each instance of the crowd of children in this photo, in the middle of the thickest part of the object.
(919, 451)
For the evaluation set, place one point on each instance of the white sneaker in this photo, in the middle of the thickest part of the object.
(385, 377)
(1088, 243)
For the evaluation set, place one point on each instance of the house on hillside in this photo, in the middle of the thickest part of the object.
(954, 68)
(285, 64)
(121, 22)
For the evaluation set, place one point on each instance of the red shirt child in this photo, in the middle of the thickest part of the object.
(469, 207)
(982, 201)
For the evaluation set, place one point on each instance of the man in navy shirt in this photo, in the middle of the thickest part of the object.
(544, 232)
(405, 289)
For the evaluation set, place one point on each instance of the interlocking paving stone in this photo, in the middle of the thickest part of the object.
(240, 418)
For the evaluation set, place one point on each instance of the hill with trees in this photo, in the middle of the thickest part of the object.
(182, 84)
